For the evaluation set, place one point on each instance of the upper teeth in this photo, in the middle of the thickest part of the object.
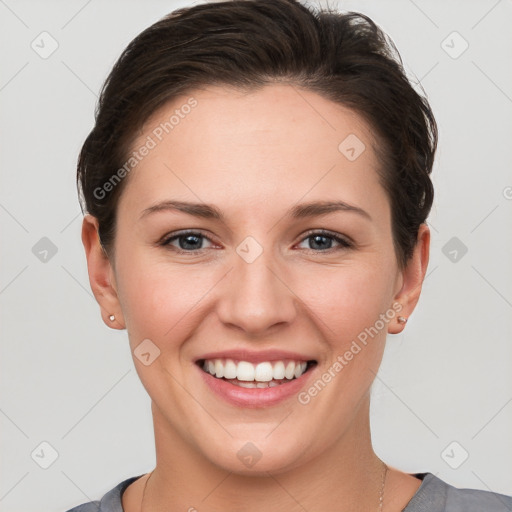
(261, 372)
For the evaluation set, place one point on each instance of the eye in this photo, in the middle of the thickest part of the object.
(187, 241)
(191, 241)
(321, 241)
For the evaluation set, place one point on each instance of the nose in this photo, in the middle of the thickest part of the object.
(256, 296)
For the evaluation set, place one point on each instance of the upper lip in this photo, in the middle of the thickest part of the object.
(258, 356)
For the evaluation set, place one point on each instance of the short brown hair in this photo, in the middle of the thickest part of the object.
(247, 44)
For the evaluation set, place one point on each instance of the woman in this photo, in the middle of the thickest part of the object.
(256, 187)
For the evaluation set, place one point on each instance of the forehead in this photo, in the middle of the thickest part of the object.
(279, 142)
(283, 114)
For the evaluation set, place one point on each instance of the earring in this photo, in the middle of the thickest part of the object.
(111, 318)
(402, 320)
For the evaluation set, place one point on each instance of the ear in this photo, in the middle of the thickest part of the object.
(101, 274)
(412, 277)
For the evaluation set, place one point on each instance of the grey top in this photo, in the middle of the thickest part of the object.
(433, 495)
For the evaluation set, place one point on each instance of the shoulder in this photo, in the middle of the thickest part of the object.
(110, 502)
(435, 495)
(86, 507)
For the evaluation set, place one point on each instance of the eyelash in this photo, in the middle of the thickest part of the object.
(345, 244)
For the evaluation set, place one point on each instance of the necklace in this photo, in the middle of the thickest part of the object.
(381, 494)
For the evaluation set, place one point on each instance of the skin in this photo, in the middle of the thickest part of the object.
(255, 155)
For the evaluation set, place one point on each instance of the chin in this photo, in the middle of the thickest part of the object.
(257, 457)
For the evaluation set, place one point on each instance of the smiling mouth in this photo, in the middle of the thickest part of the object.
(266, 374)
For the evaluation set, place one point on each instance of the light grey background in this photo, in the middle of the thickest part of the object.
(69, 381)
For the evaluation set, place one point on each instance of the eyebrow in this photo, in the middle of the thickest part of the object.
(301, 211)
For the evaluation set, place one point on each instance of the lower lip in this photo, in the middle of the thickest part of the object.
(255, 397)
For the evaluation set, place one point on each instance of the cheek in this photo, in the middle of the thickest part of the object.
(347, 299)
(159, 299)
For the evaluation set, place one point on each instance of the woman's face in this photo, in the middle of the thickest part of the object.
(267, 283)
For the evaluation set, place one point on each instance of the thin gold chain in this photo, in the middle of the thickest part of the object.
(144, 492)
(381, 494)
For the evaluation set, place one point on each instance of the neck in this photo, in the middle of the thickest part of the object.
(346, 476)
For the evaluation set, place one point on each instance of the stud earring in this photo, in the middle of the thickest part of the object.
(402, 320)
(111, 318)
